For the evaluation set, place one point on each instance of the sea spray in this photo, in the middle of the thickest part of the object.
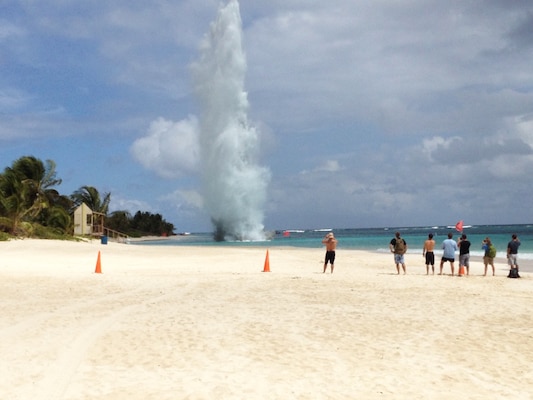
(234, 185)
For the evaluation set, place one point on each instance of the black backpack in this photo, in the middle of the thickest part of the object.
(513, 273)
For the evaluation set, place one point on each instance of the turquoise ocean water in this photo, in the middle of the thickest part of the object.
(374, 239)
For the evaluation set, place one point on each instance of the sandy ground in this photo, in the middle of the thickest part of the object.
(206, 323)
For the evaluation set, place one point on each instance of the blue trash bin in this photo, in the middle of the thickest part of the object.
(104, 239)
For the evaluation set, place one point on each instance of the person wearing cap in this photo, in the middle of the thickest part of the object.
(398, 246)
(488, 258)
(464, 253)
(331, 245)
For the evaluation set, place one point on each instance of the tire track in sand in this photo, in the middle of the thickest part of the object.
(49, 363)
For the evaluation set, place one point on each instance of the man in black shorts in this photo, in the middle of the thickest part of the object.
(429, 246)
(331, 245)
(449, 247)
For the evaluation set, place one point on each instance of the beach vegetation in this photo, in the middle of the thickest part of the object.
(31, 205)
(27, 195)
(141, 224)
(92, 198)
(120, 221)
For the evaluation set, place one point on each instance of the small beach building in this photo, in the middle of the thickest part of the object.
(88, 222)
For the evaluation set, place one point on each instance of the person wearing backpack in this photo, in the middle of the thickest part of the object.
(398, 246)
(490, 253)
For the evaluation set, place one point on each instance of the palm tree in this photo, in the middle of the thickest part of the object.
(90, 196)
(41, 183)
(13, 202)
(59, 219)
(26, 190)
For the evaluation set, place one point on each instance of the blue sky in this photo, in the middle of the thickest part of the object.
(370, 113)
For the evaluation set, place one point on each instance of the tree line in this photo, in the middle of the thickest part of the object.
(31, 206)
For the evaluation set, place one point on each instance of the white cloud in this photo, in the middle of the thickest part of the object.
(12, 99)
(119, 203)
(170, 149)
(408, 105)
(185, 199)
(385, 65)
(188, 207)
(524, 127)
(329, 166)
(436, 144)
(9, 29)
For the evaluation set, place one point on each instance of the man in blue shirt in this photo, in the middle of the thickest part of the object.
(450, 247)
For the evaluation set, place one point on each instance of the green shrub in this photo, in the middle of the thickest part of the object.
(4, 236)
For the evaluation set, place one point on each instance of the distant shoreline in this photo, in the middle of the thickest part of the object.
(149, 238)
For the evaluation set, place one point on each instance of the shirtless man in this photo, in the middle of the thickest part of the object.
(429, 246)
(331, 244)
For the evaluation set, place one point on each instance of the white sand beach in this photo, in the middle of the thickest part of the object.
(169, 322)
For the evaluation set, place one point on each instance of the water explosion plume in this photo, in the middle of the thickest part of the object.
(234, 185)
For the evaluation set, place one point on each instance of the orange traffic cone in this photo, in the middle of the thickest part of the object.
(462, 270)
(267, 264)
(98, 265)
